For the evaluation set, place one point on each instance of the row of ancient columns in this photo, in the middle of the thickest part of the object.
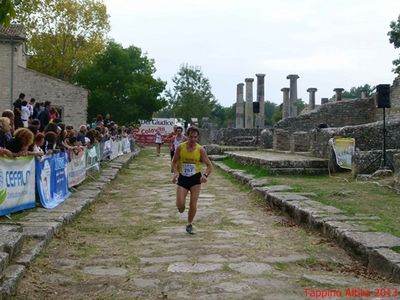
(245, 113)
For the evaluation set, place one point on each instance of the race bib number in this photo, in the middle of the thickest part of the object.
(188, 170)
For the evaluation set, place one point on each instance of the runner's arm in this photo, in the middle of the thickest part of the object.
(206, 160)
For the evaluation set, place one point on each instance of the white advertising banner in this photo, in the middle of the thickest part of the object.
(17, 184)
(76, 168)
(147, 129)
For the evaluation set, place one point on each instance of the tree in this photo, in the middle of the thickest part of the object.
(394, 38)
(355, 92)
(269, 109)
(7, 12)
(121, 83)
(191, 95)
(63, 35)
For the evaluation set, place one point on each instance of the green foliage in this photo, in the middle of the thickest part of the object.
(355, 92)
(63, 35)
(394, 38)
(191, 95)
(121, 83)
(272, 113)
(224, 117)
(7, 12)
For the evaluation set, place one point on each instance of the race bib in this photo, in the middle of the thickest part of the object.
(188, 170)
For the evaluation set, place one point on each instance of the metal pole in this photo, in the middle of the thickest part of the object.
(257, 141)
(384, 139)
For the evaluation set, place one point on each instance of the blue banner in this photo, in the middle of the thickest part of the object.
(52, 180)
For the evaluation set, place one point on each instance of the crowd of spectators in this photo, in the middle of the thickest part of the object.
(37, 129)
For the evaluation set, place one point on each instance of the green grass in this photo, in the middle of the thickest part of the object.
(256, 171)
(343, 192)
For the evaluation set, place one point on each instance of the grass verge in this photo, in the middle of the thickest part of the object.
(341, 191)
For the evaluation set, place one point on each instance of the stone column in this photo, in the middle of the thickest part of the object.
(338, 92)
(239, 106)
(249, 103)
(286, 103)
(293, 94)
(260, 99)
(311, 102)
(324, 100)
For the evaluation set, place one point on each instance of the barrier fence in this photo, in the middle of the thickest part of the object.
(49, 178)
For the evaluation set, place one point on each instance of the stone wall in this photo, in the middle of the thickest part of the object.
(367, 137)
(367, 162)
(335, 114)
(236, 137)
(70, 98)
(19, 59)
(281, 140)
(396, 166)
(300, 141)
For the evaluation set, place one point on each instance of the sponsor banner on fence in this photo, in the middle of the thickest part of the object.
(93, 158)
(76, 168)
(17, 184)
(52, 180)
(148, 128)
(344, 150)
(127, 145)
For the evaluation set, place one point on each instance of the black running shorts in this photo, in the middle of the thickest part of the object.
(188, 182)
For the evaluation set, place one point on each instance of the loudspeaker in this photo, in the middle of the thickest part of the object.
(383, 95)
(256, 107)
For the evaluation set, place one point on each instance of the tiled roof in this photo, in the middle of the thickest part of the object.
(14, 31)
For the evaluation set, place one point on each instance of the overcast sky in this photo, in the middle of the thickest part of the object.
(328, 43)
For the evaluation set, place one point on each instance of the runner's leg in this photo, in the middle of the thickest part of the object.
(194, 195)
(181, 193)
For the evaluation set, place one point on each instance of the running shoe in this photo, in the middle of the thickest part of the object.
(189, 229)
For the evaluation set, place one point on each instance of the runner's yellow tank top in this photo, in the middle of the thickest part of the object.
(189, 162)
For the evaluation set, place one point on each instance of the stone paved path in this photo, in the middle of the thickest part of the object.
(132, 244)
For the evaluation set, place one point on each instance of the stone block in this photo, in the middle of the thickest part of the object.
(361, 243)
(12, 276)
(4, 259)
(30, 250)
(11, 241)
(383, 261)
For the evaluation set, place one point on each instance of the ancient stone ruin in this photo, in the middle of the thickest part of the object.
(309, 131)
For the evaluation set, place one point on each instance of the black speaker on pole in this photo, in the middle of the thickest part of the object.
(383, 95)
(256, 107)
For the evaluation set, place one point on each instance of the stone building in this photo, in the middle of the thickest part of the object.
(16, 78)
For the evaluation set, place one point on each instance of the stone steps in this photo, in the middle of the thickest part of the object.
(296, 165)
(21, 242)
(298, 171)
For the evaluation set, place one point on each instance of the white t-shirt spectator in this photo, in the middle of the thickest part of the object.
(25, 113)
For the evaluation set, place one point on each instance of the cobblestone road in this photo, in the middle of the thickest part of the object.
(132, 244)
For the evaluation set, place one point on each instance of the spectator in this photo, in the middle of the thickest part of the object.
(34, 126)
(39, 142)
(50, 143)
(53, 113)
(107, 120)
(25, 113)
(10, 115)
(30, 105)
(82, 134)
(17, 111)
(23, 139)
(44, 115)
(36, 110)
(5, 128)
